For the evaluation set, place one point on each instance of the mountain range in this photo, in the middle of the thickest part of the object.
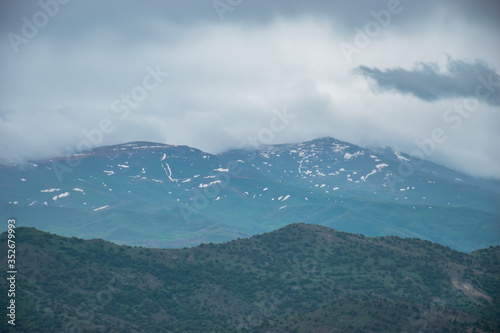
(158, 195)
(300, 278)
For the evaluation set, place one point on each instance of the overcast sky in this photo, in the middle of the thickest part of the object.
(374, 73)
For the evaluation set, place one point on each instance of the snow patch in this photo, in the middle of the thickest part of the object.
(402, 157)
(62, 195)
(103, 207)
(51, 190)
(169, 172)
(211, 183)
(348, 156)
(363, 178)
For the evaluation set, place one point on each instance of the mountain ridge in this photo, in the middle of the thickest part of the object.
(297, 278)
(137, 193)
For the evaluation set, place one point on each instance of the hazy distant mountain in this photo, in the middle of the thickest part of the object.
(172, 196)
(301, 278)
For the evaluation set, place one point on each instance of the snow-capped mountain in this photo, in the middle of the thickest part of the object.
(331, 166)
(161, 195)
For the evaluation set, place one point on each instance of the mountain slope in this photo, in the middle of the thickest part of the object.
(332, 166)
(159, 195)
(280, 281)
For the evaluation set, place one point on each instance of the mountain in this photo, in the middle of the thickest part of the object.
(158, 195)
(301, 278)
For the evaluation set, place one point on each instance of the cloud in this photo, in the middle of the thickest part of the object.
(428, 83)
(226, 77)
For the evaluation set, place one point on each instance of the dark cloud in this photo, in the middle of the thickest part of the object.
(226, 77)
(134, 18)
(427, 82)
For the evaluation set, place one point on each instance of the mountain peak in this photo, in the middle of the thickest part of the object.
(214, 198)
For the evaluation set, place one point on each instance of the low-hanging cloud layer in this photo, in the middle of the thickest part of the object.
(429, 84)
(210, 74)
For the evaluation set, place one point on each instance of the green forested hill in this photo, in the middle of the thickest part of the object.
(301, 278)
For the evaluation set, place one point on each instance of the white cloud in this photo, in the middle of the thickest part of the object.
(226, 79)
